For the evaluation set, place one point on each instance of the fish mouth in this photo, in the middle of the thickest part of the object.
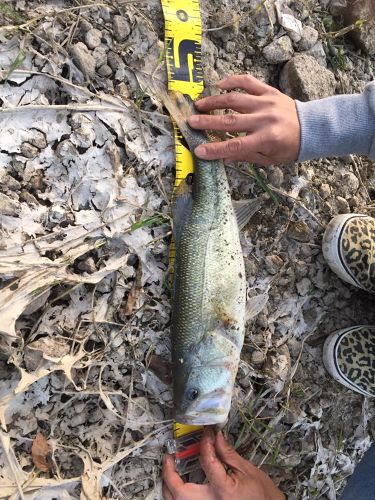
(209, 409)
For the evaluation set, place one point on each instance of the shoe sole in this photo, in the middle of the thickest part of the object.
(332, 248)
(330, 359)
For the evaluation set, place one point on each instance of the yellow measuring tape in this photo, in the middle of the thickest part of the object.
(183, 38)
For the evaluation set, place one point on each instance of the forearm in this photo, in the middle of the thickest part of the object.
(338, 125)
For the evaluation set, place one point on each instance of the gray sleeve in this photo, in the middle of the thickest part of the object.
(338, 125)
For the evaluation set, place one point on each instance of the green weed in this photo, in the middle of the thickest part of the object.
(262, 183)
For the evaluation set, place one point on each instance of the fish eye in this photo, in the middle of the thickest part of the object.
(193, 394)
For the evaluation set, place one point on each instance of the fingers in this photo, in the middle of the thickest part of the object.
(248, 83)
(172, 480)
(229, 123)
(167, 495)
(233, 100)
(238, 148)
(211, 465)
(229, 456)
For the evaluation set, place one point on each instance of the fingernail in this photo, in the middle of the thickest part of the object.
(200, 151)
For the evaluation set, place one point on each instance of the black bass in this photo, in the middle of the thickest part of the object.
(209, 289)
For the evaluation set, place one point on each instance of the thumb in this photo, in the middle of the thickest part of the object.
(229, 456)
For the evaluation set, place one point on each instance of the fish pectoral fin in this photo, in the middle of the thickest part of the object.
(245, 209)
(181, 209)
(254, 305)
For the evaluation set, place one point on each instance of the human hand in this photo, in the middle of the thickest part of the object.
(244, 482)
(268, 117)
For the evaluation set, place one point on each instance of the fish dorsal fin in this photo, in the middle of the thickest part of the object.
(245, 209)
(181, 208)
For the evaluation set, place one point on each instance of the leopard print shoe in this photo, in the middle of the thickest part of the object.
(349, 249)
(349, 356)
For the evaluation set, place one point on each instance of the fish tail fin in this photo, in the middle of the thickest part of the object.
(179, 106)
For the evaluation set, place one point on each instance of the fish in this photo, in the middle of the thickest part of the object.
(209, 283)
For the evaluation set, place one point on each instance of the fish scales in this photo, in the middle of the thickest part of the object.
(209, 290)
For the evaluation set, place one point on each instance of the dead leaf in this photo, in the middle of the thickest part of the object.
(161, 368)
(40, 452)
(134, 292)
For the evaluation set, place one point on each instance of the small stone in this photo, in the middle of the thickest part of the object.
(351, 182)
(100, 56)
(299, 231)
(230, 46)
(93, 38)
(280, 50)
(28, 150)
(324, 191)
(275, 176)
(122, 90)
(305, 79)
(247, 63)
(8, 206)
(87, 265)
(309, 38)
(83, 60)
(104, 71)
(337, 7)
(364, 35)
(257, 357)
(342, 205)
(84, 25)
(38, 139)
(121, 28)
(114, 60)
(317, 51)
(273, 263)
(304, 286)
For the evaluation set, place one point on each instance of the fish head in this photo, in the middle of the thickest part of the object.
(203, 391)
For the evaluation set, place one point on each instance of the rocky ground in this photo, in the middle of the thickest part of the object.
(87, 169)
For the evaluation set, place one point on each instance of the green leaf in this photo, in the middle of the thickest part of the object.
(16, 63)
(156, 220)
(259, 179)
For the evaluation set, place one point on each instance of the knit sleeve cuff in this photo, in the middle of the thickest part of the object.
(338, 125)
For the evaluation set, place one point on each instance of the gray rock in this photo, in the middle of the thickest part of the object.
(342, 205)
(337, 7)
(278, 51)
(304, 286)
(9, 206)
(305, 79)
(351, 182)
(100, 56)
(28, 150)
(114, 60)
(309, 38)
(38, 139)
(324, 191)
(84, 25)
(247, 63)
(275, 176)
(364, 36)
(93, 38)
(104, 70)
(83, 60)
(121, 28)
(299, 231)
(317, 51)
